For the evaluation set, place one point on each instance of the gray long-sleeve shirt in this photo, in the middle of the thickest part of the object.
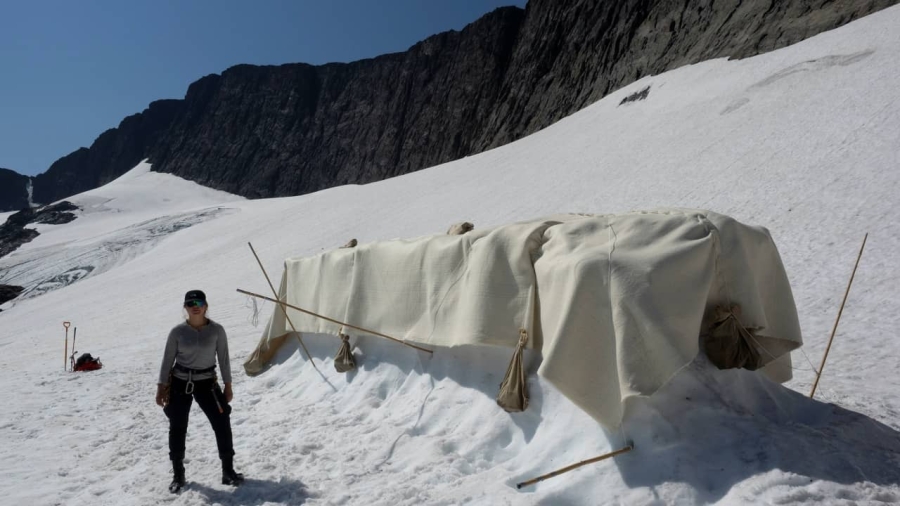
(196, 349)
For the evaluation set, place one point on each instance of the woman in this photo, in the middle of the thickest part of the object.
(188, 372)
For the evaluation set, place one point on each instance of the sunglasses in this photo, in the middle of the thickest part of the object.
(194, 303)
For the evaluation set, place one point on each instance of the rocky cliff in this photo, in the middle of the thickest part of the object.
(13, 191)
(293, 129)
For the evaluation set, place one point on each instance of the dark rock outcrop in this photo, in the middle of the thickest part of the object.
(293, 129)
(13, 190)
(14, 234)
(56, 214)
(9, 292)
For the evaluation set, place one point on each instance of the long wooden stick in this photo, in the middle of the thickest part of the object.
(275, 294)
(834, 329)
(245, 292)
(575, 466)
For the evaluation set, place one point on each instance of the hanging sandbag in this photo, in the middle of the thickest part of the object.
(344, 361)
(728, 344)
(513, 395)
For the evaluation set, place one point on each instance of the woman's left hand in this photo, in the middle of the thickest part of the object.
(228, 393)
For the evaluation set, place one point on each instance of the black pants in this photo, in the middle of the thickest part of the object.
(212, 401)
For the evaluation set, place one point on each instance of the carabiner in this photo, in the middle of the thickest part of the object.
(189, 387)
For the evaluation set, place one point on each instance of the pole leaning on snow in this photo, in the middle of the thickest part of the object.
(841, 310)
(575, 466)
(275, 294)
(66, 351)
(332, 320)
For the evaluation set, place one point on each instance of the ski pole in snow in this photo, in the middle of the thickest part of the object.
(841, 310)
(66, 352)
(575, 466)
(72, 356)
(275, 294)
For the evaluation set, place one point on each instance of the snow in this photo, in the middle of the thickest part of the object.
(803, 141)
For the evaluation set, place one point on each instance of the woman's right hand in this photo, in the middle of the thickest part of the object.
(161, 394)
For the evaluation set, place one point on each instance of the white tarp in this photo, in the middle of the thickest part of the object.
(615, 303)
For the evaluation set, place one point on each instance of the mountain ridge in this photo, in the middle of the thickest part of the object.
(266, 131)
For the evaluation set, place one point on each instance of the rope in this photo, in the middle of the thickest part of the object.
(811, 366)
(614, 238)
(253, 319)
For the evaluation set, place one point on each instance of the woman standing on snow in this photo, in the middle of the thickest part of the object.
(188, 372)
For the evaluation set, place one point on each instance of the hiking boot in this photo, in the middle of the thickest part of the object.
(230, 477)
(177, 476)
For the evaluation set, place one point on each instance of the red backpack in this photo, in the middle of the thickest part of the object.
(87, 363)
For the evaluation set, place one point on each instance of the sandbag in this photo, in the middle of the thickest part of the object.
(513, 395)
(729, 345)
(344, 361)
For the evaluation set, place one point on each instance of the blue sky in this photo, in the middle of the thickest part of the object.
(69, 70)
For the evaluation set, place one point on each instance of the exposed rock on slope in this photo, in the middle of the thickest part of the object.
(14, 234)
(9, 292)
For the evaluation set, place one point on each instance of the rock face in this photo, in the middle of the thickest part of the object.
(293, 129)
(14, 234)
(9, 292)
(13, 191)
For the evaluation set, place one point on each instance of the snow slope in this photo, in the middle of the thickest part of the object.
(120, 221)
(804, 141)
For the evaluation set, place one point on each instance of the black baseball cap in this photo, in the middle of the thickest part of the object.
(195, 295)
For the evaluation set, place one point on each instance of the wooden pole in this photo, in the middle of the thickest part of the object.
(575, 466)
(245, 292)
(841, 310)
(66, 351)
(275, 293)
